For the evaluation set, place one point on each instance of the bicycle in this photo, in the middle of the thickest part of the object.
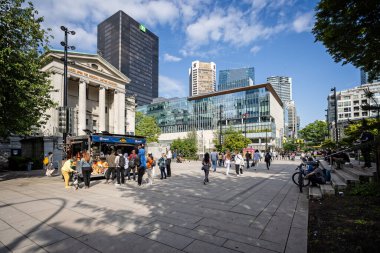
(299, 177)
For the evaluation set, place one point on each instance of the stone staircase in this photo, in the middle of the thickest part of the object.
(343, 178)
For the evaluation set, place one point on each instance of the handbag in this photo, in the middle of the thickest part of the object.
(206, 167)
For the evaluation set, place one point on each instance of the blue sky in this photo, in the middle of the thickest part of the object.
(273, 36)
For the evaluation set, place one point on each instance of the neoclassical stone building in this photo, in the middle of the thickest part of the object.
(96, 94)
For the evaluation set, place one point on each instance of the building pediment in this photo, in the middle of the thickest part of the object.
(86, 65)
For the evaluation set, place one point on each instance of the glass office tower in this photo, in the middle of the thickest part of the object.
(255, 110)
(133, 49)
(235, 78)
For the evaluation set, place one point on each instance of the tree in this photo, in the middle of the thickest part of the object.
(147, 126)
(314, 132)
(24, 89)
(234, 140)
(349, 29)
(188, 146)
(353, 131)
(289, 146)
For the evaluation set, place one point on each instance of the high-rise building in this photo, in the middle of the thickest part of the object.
(235, 78)
(364, 78)
(202, 78)
(283, 86)
(293, 119)
(133, 50)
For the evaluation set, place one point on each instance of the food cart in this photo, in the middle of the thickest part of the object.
(100, 145)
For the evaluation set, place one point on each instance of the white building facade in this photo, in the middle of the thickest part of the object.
(202, 78)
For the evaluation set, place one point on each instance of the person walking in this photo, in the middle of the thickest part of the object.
(206, 164)
(168, 162)
(239, 161)
(120, 163)
(247, 158)
(228, 162)
(142, 166)
(267, 159)
(86, 168)
(110, 173)
(256, 159)
(66, 171)
(149, 165)
(49, 167)
(132, 164)
(162, 165)
(214, 159)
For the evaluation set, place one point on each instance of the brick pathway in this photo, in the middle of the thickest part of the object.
(261, 211)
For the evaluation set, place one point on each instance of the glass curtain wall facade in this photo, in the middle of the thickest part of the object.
(133, 50)
(246, 109)
(235, 78)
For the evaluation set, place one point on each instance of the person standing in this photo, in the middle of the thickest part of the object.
(168, 163)
(228, 162)
(120, 163)
(267, 159)
(110, 173)
(238, 163)
(162, 166)
(132, 165)
(149, 166)
(66, 170)
(206, 164)
(247, 158)
(50, 166)
(365, 138)
(214, 159)
(142, 167)
(86, 168)
(256, 159)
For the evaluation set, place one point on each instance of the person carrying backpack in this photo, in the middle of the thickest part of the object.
(149, 164)
(120, 163)
(110, 173)
(239, 162)
(162, 165)
(267, 159)
(142, 166)
(132, 165)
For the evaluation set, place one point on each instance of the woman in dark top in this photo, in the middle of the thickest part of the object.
(206, 164)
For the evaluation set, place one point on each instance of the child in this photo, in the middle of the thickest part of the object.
(162, 165)
(66, 170)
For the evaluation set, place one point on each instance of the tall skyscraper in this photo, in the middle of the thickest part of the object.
(202, 78)
(235, 78)
(283, 86)
(132, 49)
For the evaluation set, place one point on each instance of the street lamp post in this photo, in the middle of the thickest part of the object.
(220, 125)
(336, 115)
(66, 47)
(327, 122)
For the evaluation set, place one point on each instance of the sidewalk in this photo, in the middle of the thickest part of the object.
(262, 211)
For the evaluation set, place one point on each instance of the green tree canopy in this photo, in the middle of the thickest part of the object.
(24, 89)
(353, 131)
(188, 147)
(147, 126)
(233, 140)
(349, 29)
(314, 132)
(289, 146)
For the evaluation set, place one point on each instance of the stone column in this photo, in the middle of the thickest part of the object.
(121, 110)
(82, 106)
(102, 108)
(115, 108)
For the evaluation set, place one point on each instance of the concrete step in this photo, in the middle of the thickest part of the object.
(324, 164)
(345, 177)
(315, 192)
(327, 189)
(337, 183)
(363, 174)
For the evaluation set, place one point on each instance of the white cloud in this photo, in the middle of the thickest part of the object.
(304, 22)
(255, 49)
(171, 58)
(171, 88)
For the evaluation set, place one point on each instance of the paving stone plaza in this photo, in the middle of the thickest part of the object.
(262, 211)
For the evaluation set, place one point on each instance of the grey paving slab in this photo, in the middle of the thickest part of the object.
(252, 241)
(3, 225)
(13, 239)
(277, 230)
(29, 249)
(297, 242)
(172, 239)
(204, 247)
(69, 245)
(46, 235)
(205, 229)
(3, 249)
(246, 248)
(226, 226)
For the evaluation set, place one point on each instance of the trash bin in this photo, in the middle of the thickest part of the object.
(30, 166)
